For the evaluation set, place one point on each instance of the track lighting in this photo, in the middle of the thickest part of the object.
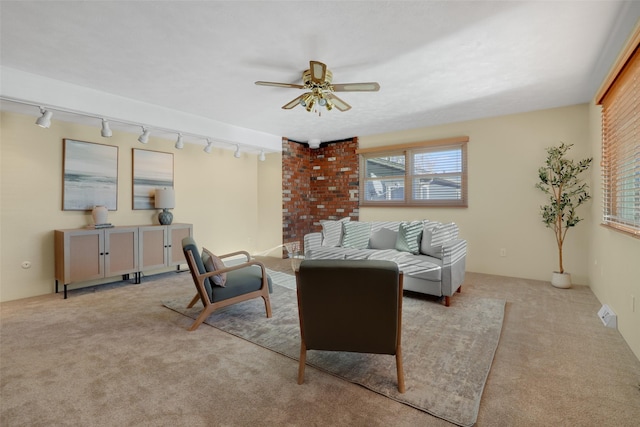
(44, 121)
(46, 114)
(106, 130)
(144, 138)
(179, 142)
(209, 146)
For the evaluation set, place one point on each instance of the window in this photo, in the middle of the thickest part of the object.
(620, 102)
(432, 173)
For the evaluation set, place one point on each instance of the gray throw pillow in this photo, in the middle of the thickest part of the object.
(213, 263)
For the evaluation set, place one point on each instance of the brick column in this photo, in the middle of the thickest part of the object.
(318, 184)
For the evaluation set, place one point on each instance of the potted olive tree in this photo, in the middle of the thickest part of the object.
(560, 180)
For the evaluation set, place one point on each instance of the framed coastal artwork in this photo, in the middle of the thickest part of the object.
(151, 170)
(90, 176)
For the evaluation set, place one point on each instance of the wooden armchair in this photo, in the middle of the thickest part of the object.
(244, 281)
(353, 306)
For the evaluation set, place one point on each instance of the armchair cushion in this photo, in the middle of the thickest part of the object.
(244, 280)
(213, 263)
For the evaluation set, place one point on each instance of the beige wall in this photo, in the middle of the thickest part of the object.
(504, 154)
(216, 192)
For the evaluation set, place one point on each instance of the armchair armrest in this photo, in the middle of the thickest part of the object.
(245, 253)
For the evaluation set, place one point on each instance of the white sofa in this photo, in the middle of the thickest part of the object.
(429, 253)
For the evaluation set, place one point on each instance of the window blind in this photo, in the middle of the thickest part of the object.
(621, 149)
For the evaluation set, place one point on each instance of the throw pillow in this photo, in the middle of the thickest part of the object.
(332, 231)
(213, 263)
(409, 237)
(356, 235)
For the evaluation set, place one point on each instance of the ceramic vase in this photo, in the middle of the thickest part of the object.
(100, 214)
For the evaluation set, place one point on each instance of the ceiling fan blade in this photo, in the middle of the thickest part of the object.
(356, 87)
(293, 103)
(318, 71)
(337, 102)
(287, 85)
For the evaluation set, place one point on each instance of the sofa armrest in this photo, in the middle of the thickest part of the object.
(312, 241)
(454, 256)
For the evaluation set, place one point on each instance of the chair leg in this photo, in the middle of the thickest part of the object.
(447, 301)
(194, 301)
(303, 361)
(201, 318)
(400, 370)
(267, 305)
(459, 289)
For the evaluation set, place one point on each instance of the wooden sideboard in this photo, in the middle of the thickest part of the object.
(87, 254)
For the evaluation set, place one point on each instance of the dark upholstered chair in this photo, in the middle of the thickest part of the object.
(244, 281)
(350, 305)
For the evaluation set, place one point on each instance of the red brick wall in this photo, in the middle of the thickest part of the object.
(317, 184)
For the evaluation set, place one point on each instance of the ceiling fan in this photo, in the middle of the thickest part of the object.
(317, 80)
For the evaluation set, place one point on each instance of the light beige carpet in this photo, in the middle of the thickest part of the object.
(448, 351)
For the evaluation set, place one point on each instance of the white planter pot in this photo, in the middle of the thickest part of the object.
(561, 280)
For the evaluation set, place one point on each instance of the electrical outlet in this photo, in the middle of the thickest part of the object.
(503, 252)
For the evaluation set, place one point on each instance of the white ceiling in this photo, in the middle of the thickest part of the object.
(437, 62)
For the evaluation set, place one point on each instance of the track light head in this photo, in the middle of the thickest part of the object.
(44, 121)
(106, 130)
(237, 153)
(144, 138)
(262, 156)
(209, 146)
(179, 142)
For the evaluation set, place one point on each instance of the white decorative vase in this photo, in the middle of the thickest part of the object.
(100, 214)
(561, 280)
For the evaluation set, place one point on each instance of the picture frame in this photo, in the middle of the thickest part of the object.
(90, 175)
(151, 170)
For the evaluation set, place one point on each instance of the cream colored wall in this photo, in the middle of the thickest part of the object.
(270, 205)
(504, 154)
(614, 267)
(217, 193)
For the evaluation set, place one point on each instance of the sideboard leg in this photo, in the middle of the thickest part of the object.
(56, 286)
(65, 291)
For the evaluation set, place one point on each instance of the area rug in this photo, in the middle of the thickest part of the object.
(447, 351)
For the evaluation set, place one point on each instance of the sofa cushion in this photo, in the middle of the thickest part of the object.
(213, 263)
(332, 232)
(408, 239)
(356, 235)
(420, 266)
(434, 235)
